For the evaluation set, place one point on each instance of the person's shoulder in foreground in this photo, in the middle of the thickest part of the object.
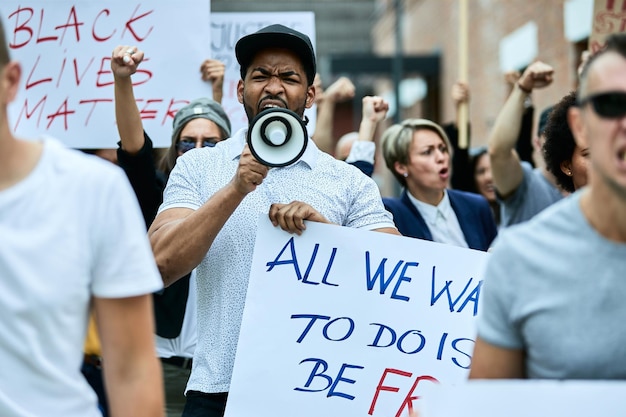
(564, 271)
(75, 244)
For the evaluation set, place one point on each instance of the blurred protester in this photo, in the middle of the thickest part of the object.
(201, 123)
(480, 168)
(523, 191)
(214, 198)
(359, 148)
(564, 158)
(212, 71)
(553, 295)
(460, 178)
(417, 152)
(471, 167)
(326, 100)
(72, 241)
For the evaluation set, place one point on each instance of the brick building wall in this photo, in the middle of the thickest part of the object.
(431, 26)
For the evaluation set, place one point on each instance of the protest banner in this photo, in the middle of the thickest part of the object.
(65, 49)
(347, 322)
(227, 29)
(609, 16)
(523, 398)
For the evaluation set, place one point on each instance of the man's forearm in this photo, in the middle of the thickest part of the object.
(180, 244)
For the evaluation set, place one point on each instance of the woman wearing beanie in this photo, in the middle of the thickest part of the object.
(201, 123)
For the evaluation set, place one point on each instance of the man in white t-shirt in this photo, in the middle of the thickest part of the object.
(71, 239)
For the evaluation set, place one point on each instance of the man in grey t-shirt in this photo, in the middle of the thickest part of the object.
(552, 302)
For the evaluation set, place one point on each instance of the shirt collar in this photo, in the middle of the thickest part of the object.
(429, 212)
(237, 142)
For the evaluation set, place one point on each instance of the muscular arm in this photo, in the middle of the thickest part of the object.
(131, 369)
(181, 237)
(492, 362)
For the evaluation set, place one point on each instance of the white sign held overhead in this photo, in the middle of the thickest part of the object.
(65, 49)
(577, 17)
(609, 16)
(347, 322)
(520, 48)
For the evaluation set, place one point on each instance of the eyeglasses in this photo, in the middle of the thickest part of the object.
(187, 145)
(611, 105)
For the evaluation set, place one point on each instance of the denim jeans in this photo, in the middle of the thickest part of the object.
(201, 404)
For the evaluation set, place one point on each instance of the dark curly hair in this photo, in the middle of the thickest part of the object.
(559, 142)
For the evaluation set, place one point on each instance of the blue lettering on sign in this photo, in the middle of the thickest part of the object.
(473, 296)
(313, 318)
(293, 260)
(393, 337)
(330, 384)
(455, 345)
(385, 282)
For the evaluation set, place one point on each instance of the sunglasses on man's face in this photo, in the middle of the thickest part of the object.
(611, 105)
(187, 145)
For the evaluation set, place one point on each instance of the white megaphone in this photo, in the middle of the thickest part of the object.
(277, 137)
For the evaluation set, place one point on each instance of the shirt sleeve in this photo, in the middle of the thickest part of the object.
(362, 151)
(181, 190)
(124, 264)
(495, 319)
(366, 209)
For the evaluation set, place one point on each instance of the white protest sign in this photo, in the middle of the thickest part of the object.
(346, 322)
(524, 398)
(609, 16)
(227, 29)
(65, 50)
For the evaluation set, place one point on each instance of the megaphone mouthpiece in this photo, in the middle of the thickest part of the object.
(275, 131)
(277, 137)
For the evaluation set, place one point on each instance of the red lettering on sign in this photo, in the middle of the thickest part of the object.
(63, 112)
(93, 28)
(133, 19)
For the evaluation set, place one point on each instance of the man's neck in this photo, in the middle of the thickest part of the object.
(18, 158)
(606, 212)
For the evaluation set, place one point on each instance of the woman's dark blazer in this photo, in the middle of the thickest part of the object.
(472, 211)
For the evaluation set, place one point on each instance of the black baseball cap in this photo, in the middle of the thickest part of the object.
(276, 36)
